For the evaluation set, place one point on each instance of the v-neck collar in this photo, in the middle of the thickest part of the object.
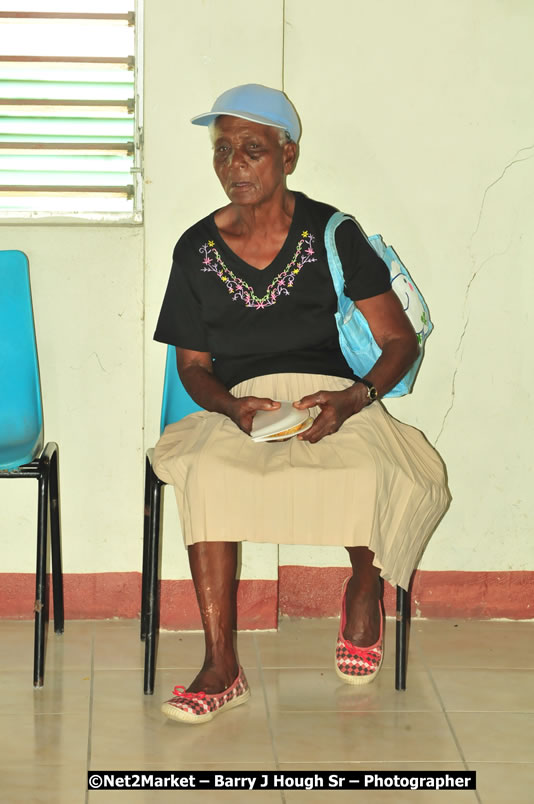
(282, 256)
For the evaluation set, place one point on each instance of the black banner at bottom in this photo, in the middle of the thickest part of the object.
(281, 780)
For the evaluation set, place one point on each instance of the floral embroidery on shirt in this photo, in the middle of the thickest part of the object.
(281, 284)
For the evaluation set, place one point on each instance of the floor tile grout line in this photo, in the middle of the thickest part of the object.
(422, 656)
(501, 762)
(90, 721)
(451, 728)
(360, 711)
(267, 711)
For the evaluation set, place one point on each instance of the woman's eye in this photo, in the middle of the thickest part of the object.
(254, 150)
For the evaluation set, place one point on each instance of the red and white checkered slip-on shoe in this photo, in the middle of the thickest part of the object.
(353, 664)
(199, 707)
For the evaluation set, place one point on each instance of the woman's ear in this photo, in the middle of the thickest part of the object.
(291, 155)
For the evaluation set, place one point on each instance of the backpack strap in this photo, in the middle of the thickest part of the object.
(334, 263)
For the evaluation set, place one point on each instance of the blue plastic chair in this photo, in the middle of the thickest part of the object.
(21, 436)
(176, 403)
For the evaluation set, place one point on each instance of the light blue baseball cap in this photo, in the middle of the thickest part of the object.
(257, 103)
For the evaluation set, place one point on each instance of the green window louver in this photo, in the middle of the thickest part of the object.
(68, 125)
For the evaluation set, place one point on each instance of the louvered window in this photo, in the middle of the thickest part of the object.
(70, 130)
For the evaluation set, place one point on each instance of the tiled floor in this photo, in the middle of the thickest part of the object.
(469, 705)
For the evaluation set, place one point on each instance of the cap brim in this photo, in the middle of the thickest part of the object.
(209, 117)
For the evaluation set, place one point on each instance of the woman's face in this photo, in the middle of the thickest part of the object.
(249, 160)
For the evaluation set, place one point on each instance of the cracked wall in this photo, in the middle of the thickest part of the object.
(487, 428)
(428, 140)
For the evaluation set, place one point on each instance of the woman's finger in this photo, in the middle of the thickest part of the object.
(321, 427)
(262, 403)
(249, 406)
(311, 400)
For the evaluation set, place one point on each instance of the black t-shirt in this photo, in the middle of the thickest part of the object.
(279, 319)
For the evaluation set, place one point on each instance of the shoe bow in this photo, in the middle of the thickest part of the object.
(181, 693)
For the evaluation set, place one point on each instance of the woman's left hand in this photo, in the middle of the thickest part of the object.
(336, 407)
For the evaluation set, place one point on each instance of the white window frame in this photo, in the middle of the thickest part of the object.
(136, 215)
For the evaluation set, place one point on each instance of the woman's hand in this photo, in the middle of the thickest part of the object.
(241, 410)
(336, 407)
(196, 372)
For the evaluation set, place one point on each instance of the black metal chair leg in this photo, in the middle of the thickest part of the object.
(40, 576)
(55, 545)
(401, 634)
(152, 600)
(146, 547)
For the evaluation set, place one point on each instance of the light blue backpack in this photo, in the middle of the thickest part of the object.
(355, 338)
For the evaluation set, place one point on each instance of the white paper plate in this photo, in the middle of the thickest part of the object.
(303, 429)
(269, 422)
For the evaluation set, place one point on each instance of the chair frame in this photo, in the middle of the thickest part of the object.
(150, 602)
(150, 587)
(45, 469)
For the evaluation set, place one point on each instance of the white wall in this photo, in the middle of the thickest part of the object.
(417, 118)
(198, 51)
(87, 288)
(414, 116)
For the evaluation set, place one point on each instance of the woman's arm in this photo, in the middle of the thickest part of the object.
(196, 373)
(393, 332)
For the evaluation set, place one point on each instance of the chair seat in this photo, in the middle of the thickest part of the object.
(13, 455)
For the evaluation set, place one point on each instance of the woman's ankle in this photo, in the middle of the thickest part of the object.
(216, 675)
(363, 612)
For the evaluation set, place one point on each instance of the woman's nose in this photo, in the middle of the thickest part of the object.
(237, 157)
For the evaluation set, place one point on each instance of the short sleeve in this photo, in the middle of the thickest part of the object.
(366, 274)
(180, 320)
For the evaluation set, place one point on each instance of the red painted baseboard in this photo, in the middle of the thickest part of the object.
(106, 595)
(315, 592)
(299, 592)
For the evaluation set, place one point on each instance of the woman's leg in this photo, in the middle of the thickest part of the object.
(213, 567)
(362, 626)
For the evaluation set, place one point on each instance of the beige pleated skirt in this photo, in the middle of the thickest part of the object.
(376, 482)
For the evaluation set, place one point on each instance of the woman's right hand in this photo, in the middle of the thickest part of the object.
(242, 410)
(196, 372)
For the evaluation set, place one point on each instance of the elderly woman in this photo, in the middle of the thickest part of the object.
(250, 309)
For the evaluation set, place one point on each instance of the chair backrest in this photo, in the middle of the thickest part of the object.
(176, 402)
(21, 418)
